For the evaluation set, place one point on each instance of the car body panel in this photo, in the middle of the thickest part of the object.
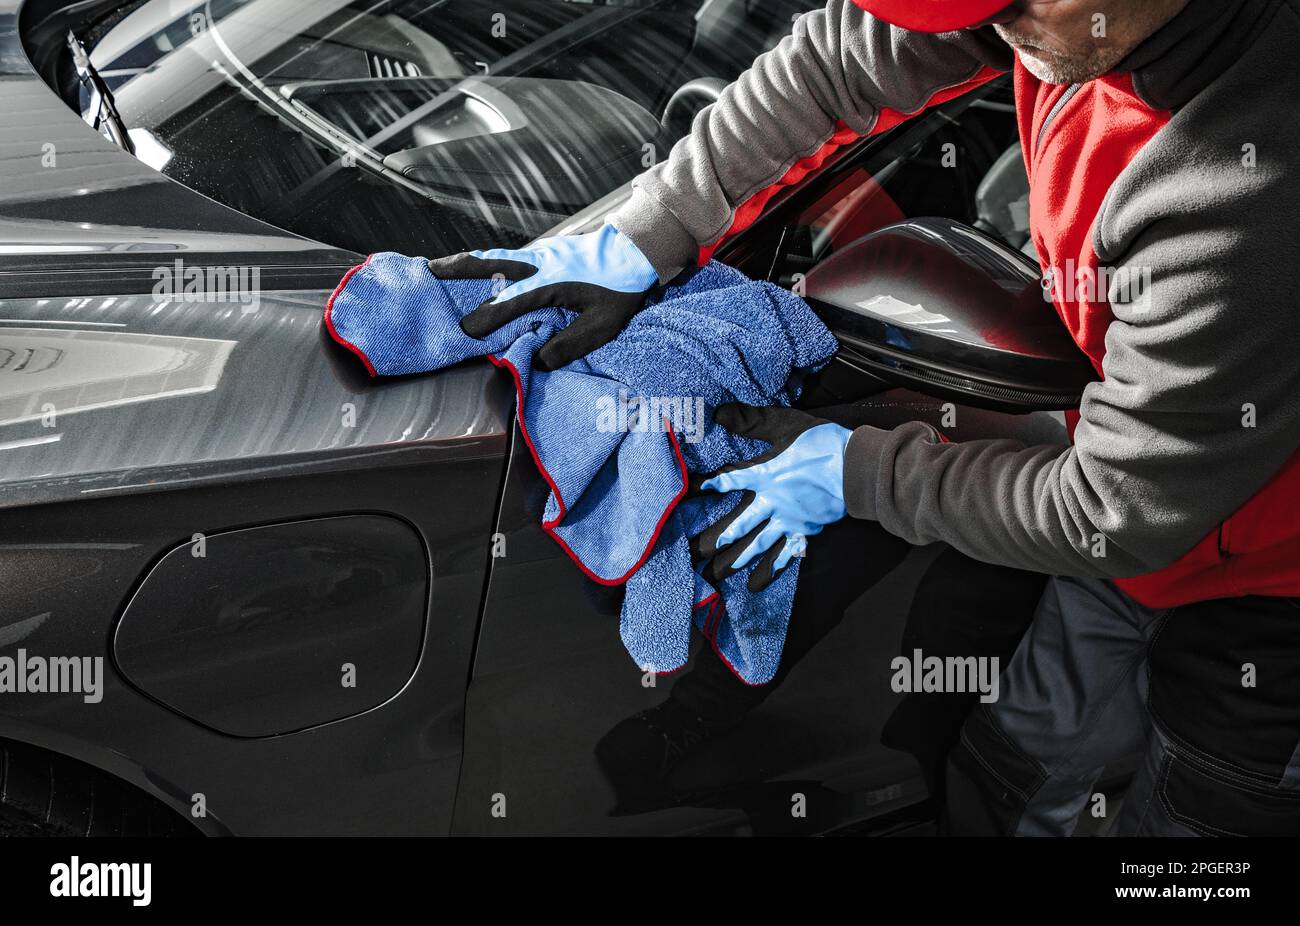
(132, 422)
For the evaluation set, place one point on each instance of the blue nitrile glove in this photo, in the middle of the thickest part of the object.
(601, 274)
(792, 491)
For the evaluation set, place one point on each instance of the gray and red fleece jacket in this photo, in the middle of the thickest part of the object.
(1183, 478)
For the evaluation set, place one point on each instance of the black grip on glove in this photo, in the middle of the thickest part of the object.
(604, 313)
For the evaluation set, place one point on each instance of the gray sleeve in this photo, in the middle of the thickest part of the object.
(839, 68)
(1196, 412)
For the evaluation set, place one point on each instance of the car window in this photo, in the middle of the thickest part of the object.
(421, 126)
(961, 161)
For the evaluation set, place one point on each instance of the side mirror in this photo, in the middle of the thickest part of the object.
(941, 308)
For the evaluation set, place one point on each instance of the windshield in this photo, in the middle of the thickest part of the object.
(423, 127)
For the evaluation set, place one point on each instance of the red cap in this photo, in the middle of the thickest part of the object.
(933, 15)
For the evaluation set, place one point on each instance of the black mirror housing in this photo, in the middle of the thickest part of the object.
(946, 310)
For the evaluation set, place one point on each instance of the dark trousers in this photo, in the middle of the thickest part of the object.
(1207, 693)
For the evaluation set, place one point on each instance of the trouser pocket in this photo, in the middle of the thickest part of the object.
(1215, 801)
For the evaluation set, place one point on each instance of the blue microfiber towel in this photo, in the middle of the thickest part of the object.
(616, 433)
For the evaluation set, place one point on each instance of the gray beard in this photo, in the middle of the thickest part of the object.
(1053, 72)
(1058, 70)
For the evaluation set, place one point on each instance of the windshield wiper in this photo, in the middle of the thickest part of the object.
(102, 113)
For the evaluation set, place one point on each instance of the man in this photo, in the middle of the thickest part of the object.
(1161, 140)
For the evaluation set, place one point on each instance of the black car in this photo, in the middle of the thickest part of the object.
(310, 602)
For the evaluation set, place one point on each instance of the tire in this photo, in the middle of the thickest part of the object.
(45, 794)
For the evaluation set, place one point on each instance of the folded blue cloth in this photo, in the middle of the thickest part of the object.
(616, 433)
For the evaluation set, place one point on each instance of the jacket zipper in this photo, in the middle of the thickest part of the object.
(1053, 113)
